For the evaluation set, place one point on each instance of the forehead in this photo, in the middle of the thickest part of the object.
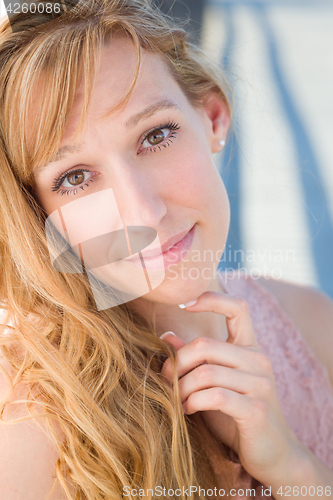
(115, 75)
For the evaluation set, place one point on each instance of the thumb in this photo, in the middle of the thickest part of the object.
(172, 338)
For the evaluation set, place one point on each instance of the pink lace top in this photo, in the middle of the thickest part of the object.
(302, 382)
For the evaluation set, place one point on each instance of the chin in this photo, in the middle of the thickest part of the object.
(179, 290)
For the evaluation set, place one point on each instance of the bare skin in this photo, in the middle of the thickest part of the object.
(169, 189)
(172, 189)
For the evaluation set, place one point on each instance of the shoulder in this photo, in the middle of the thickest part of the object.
(311, 310)
(27, 454)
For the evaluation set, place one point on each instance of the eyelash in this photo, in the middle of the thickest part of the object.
(172, 126)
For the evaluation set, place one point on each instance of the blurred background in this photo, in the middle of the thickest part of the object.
(277, 164)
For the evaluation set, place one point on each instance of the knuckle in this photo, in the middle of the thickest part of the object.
(266, 387)
(264, 361)
(219, 396)
(242, 304)
(205, 373)
(201, 343)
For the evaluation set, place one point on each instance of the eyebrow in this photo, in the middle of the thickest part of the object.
(151, 110)
(68, 149)
(132, 122)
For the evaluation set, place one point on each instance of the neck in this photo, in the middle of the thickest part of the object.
(189, 326)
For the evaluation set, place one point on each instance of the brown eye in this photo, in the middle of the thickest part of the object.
(155, 137)
(75, 178)
(160, 136)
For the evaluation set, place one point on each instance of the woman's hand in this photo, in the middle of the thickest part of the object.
(232, 383)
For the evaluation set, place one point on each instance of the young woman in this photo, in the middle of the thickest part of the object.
(110, 118)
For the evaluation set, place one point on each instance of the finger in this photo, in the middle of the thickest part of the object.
(207, 376)
(237, 314)
(206, 350)
(237, 406)
(172, 338)
(177, 343)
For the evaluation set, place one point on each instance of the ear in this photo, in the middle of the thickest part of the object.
(217, 118)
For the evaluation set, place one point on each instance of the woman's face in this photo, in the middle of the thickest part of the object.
(156, 153)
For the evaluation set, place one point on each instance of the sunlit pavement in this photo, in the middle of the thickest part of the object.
(278, 56)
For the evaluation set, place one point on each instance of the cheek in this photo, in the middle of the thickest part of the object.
(193, 179)
(44, 199)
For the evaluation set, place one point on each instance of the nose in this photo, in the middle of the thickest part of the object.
(137, 196)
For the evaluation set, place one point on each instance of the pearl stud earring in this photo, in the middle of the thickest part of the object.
(222, 143)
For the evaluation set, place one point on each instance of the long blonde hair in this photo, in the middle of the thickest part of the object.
(95, 372)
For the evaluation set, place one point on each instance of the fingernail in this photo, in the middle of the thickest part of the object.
(188, 304)
(166, 333)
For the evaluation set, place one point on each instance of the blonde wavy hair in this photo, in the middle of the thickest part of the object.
(96, 373)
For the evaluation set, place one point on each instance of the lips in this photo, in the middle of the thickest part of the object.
(167, 245)
(174, 253)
